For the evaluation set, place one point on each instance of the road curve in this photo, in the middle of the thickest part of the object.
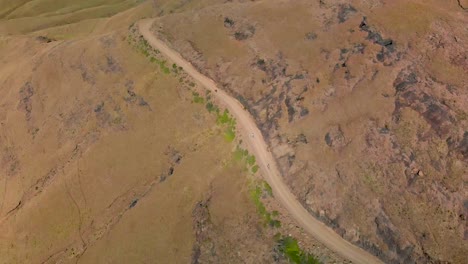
(256, 144)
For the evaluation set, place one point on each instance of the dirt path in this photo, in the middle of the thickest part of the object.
(265, 160)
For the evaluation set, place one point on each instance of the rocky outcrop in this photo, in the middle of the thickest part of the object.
(364, 111)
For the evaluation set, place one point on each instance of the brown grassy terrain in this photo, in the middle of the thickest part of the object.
(366, 116)
(105, 157)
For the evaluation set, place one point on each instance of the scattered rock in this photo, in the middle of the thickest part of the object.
(311, 36)
(228, 22)
(335, 138)
(384, 130)
(375, 36)
(45, 39)
(99, 107)
(134, 202)
(345, 11)
(301, 138)
(405, 79)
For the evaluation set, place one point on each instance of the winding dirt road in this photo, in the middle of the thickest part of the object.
(256, 144)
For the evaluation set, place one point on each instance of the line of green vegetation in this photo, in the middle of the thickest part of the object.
(286, 244)
(176, 69)
(241, 154)
(229, 134)
(290, 248)
(229, 122)
(256, 193)
(148, 51)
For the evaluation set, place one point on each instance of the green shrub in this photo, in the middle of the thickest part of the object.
(197, 98)
(267, 188)
(255, 169)
(211, 107)
(229, 135)
(256, 194)
(250, 160)
(290, 248)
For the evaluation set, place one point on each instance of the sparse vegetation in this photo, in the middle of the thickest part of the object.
(229, 134)
(290, 248)
(241, 154)
(226, 119)
(250, 160)
(197, 98)
(257, 193)
(211, 107)
(147, 50)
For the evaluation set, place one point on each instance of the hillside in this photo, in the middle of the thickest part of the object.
(109, 154)
(363, 104)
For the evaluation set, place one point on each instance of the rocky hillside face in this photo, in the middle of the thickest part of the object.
(364, 104)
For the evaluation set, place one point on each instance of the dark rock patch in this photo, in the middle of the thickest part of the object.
(261, 65)
(45, 39)
(174, 158)
(311, 36)
(328, 139)
(99, 107)
(133, 204)
(304, 112)
(437, 116)
(228, 22)
(384, 130)
(359, 48)
(345, 11)
(404, 80)
(290, 108)
(375, 36)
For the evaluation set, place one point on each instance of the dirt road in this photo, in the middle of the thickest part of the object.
(256, 144)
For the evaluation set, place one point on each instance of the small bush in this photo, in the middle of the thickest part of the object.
(250, 160)
(268, 189)
(229, 135)
(211, 107)
(197, 98)
(290, 248)
(255, 169)
(274, 223)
